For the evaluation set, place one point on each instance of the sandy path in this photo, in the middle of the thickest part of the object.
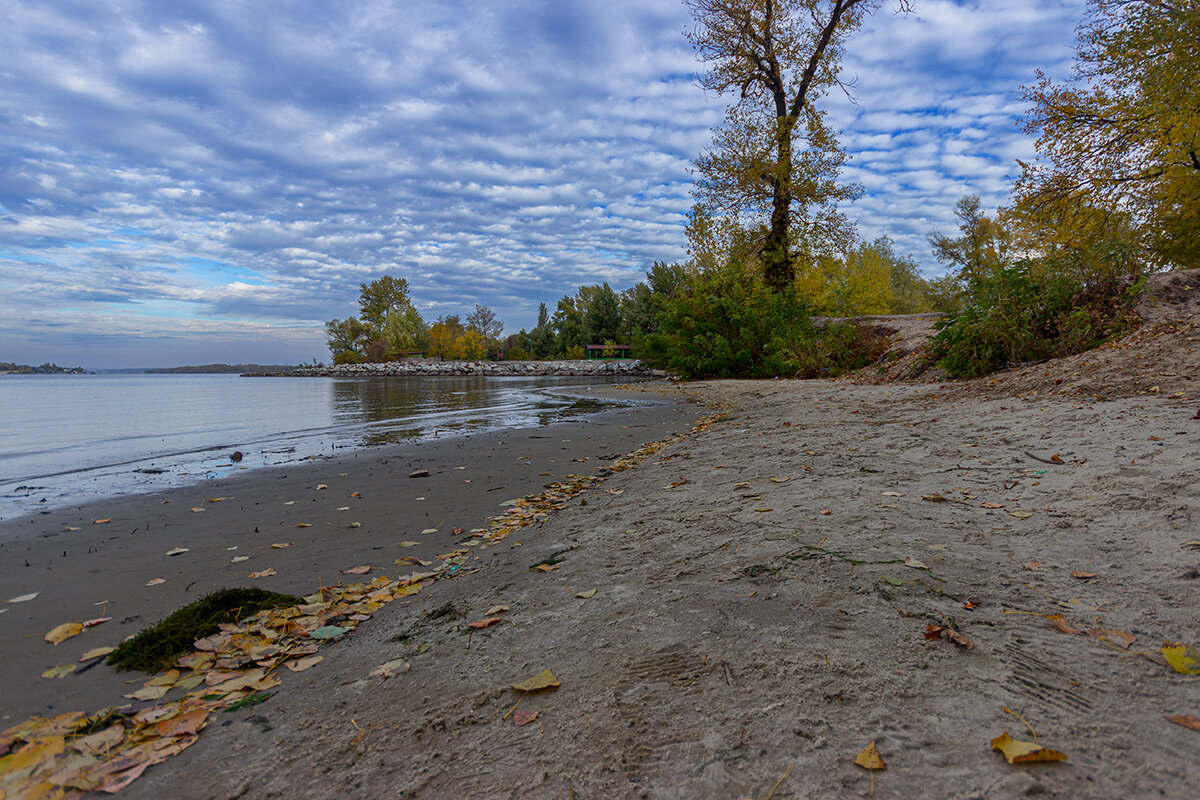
(732, 635)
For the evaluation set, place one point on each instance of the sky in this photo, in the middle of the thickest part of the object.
(194, 182)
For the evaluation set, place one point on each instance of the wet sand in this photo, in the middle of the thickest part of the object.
(101, 569)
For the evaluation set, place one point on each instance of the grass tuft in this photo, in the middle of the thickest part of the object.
(158, 646)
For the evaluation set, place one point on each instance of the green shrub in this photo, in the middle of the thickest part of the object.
(159, 645)
(348, 357)
(574, 353)
(726, 322)
(1031, 312)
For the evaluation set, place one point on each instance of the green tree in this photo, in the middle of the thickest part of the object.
(346, 336)
(982, 247)
(405, 331)
(483, 320)
(379, 298)
(1122, 137)
(775, 160)
(601, 313)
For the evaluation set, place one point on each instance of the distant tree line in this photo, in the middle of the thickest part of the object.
(8, 367)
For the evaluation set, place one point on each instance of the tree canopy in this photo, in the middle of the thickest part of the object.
(774, 162)
(1119, 143)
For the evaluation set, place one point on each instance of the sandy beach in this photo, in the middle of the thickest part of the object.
(764, 591)
(86, 570)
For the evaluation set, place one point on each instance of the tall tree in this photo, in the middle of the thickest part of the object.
(381, 297)
(981, 248)
(1120, 141)
(774, 159)
(483, 320)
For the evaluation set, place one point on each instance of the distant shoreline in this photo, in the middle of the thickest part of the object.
(572, 368)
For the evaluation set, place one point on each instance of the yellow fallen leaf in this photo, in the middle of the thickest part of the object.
(281, 545)
(1021, 514)
(149, 693)
(303, 525)
(217, 499)
(585, 595)
(407, 544)
(405, 591)
(70, 527)
(321, 486)
(197, 509)
(64, 632)
(104, 521)
(546, 567)
(354, 525)
(265, 573)
(496, 610)
(1182, 657)
(545, 680)
(301, 664)
(155, 581)
(391, 669)
(1024, 752)
(363, 570)
(96, 652)
(869, 758)
(912, 562)
(25, 598)
(61, 671)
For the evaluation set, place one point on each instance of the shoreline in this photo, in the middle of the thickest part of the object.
(100, 569)
(573, 368)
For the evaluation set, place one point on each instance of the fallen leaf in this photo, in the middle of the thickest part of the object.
(430, 530)
(91, 623)
(496, 610)
(912, 562)
(1119, 638)
(187, 723)
(343, 508)
(355, 494)
(303, 525)
(524, 717)
(391, 669)
(25, 598)
(217, 499)
(893, 494)
(419, 473)
(174, 551)
(149, 693)
(483, 623)
(825, 511)
(1182, 657)
(301, 664)
(64, 632)
(238, 559)
(61, 671)
(545, 680)
(940, 631)
(407, 544)
(1021, 514)
(1060, 622)
(321, 486)
(1024, 752)
(411, 560)
(1186, 720)
(263, 573)
(197, 509)
(155, 581)
(360, 570)
(1083, 576)
(586, 595)
(1032, 565)
(71, 527)
(96, 652)
(869, 758)
(990, 504)
(354, 525)
(546, 567)
(894, 581)
(281, 545)
(935, 498)
(762, 510)
(104, 521)
(329, 632)
(780, 480)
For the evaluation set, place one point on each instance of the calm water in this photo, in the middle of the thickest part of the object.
(70, 438)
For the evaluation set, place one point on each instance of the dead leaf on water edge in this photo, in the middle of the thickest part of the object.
(281, 545)
(1017, 752)
(96, 652)
(264, 573)
(63, 632)
(155, 581)
(25, 598)
(1182, 657)
(175, 551)
(545, 680)
(61, 671)
(197, 509)
(104, 521)
(990, 504)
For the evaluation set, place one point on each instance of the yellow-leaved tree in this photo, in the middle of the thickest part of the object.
(1119, 144)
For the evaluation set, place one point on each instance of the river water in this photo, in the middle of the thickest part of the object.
(66, 439)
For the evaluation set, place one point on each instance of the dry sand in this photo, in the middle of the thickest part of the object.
(754, 620)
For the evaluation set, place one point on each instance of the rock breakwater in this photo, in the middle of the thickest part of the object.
(499, 369)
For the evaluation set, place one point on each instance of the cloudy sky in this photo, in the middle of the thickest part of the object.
(188, 182)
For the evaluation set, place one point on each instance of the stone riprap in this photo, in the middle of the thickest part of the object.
(499, 369)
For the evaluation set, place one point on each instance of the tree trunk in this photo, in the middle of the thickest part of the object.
(779, 270)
